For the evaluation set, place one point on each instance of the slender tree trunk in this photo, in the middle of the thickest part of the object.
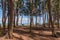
(36, 20)
(31, 16)
(39, 16)
(10, 18)
(4, 15)
(15, 14)
(58, 22)
(14, 17)
(2, 3)
(40, 20)
(43, 12)
(28, 20)
(0, 30)
(50, 17)
(49, 25)
(43, 21)
(58, 12)
(21, 20)
(31, 21)
(48, 20)
(17, 18)
(58, 18)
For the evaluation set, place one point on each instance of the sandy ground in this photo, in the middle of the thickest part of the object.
(23, 34)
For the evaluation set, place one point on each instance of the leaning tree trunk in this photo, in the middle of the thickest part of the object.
(50, 17)
(10, 17)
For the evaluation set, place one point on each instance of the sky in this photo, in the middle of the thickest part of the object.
(0, 15)
(25, 19)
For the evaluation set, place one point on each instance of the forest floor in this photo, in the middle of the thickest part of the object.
(22, 33)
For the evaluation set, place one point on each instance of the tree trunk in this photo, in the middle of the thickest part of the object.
(49, 23)
(58, 13)
(4, 15)
(17, 18)
(31, 16)
(21, 20)
(14, 17)
(39, 16)
(43, 20)
(2, 3)
(10, 18)
(40, 20)
(28, 19)
(58, 22)
(36, 20)
(31, 21)
(43, 12)
(50, 17)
